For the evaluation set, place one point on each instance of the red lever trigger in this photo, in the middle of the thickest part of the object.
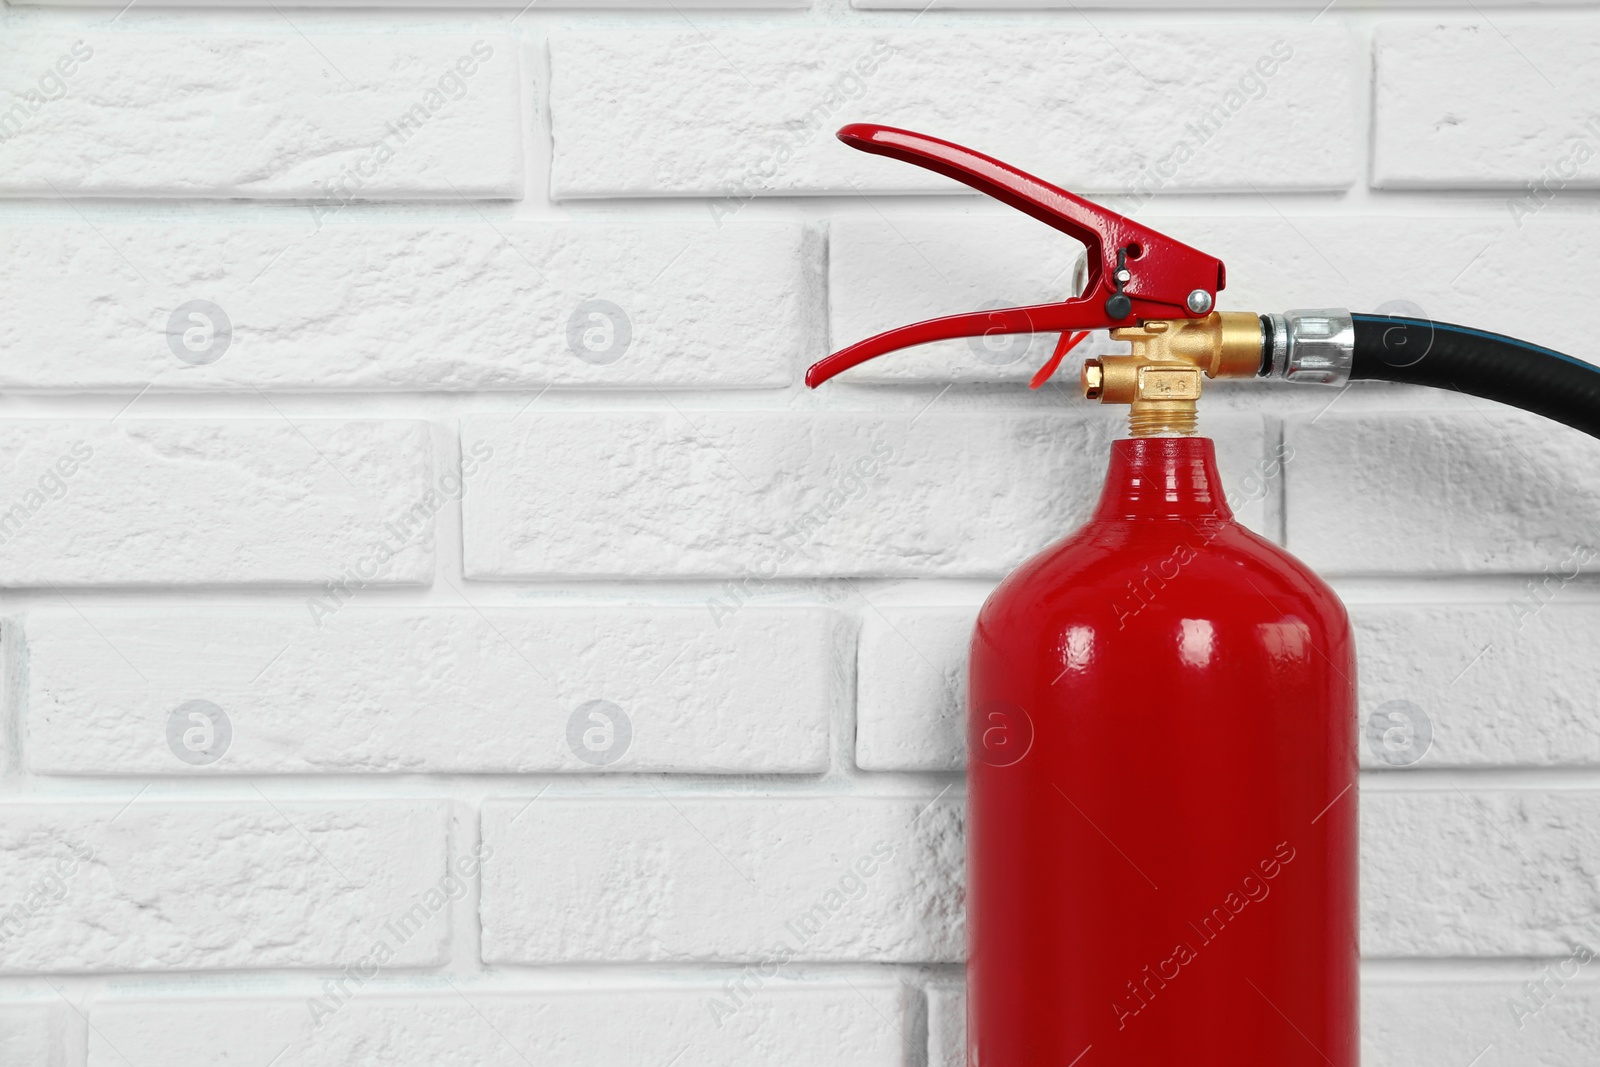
(1133, 272)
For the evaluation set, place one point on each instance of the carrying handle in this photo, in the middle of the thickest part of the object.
(1133, 272)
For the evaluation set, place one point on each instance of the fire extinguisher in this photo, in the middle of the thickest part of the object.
(1162, 835)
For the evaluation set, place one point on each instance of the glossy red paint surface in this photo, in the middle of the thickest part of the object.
(1162, 828)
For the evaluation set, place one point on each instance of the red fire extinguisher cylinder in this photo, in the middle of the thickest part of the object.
(1162, 802)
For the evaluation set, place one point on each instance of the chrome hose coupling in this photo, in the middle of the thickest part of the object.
(1310, 346)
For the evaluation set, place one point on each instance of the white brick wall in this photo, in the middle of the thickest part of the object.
(457, 1025)
(326, 118)
(439, 628)
(762, 881)
(1463, 663)
(1480, 489)
(1076, 107)
(1515, 863)
(204, 884)
(33, 1033)
(327, 688)
(190, 501)
(329, 304)
(1442, 114)
(762, 497)
(1539, 1013)
(911, 689)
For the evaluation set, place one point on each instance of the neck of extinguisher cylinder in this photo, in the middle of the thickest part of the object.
(1163, 477)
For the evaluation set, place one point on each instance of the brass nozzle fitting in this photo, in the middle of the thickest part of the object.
(1160, 379)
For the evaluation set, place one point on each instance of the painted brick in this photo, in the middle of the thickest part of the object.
(1503, 684)
(12, 672)
(886, 272)
(309, 690)
(262, 115)
(911, 692)
(33, 1034)
(140, 502)
(1456, 491)
(1487, 104)
(382, 306)
(1446, 1024)
(1482, 270)
(153, 885)
(803, 1023)
(1450, 873)
(733, 878)
(788, 494)
(733, 114)
(947, 1024)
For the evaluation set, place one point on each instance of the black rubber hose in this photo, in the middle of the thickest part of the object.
(1495, 367)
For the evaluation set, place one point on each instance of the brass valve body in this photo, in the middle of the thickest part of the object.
(1160, 379)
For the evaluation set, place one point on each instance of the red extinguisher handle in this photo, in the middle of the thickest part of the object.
(1133, 272)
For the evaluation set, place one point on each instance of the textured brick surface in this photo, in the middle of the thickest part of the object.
(1440, 1024)
(733, 114)
(1479, 873)
(33, 1034)
(911, 692)
(334, 689)
(752, 880)
(1486, 103)
(806, 1024)
(138, 502)
(326, 118)
(947, 1024)
(205, 884)
(1460, 491)
(391, 306)
(467, 498)
(1514, 683)
(770, 496)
